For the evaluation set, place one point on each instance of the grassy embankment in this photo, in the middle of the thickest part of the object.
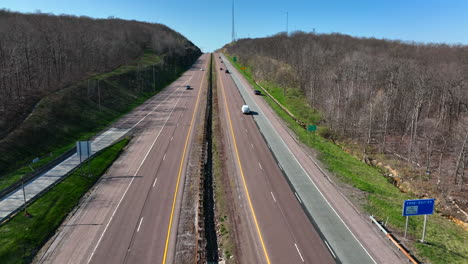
(445, 241)
(22, 237)
(74, 113)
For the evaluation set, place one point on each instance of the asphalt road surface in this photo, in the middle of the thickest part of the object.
(131, 216)
(283, 232)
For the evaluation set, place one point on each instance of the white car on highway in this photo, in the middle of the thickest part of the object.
(245, 109)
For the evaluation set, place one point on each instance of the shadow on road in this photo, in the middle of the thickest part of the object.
(120, 177)
(83, 225)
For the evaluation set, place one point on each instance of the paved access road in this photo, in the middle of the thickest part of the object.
(132, 214)
(282, 231)
(15, 200)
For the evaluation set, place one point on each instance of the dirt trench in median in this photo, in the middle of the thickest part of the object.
(196, 235)
(225, 219)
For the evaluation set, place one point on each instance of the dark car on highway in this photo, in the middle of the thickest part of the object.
(257, 92)
(227, 71)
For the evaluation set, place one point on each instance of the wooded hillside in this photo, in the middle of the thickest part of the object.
(62, 77)
(404, 100)
(41, 53)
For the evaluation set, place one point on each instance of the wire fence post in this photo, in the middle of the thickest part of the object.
(406, 225)
(424, 229)
(24, 194)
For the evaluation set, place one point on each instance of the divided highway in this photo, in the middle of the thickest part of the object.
(283, 231)
(132, 214)
(131, 217)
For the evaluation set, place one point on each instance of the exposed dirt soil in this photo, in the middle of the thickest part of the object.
(412, 177)
(187, 233)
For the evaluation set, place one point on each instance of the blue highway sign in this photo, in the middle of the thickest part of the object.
(418, 207)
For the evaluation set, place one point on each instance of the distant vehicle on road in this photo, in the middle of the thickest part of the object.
(227, 71)
(187, 87)
(257, 92)
(245, 109)
(201, 69)
(221, 68)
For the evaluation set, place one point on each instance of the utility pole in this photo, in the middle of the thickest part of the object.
(154, 81)
(99, 95)
(24, 195)
(233, 32)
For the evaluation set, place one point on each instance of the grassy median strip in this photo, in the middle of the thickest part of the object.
(22, 236)
(445, 241)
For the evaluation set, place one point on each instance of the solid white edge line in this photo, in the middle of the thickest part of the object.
(133, 178)
(329, 248)
(139, 225)
(299, 252)
(287, 147)
(187, 146)
(155, 180)
(274, 199)
(297, 196)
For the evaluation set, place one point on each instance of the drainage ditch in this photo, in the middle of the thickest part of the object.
(210, 237)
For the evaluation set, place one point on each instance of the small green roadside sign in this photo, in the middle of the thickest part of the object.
(234, 58)
(311, 128)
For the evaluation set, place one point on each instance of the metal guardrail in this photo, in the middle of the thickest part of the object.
(298, 121)
(33, 175)
(395, 241)
(52, 164)
(38, 195)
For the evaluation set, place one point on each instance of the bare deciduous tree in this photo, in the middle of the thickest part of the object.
(409, 99)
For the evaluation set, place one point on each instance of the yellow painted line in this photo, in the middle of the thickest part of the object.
(180, 173)
(243, 178)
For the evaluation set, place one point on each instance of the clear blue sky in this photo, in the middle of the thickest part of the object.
(208, 22)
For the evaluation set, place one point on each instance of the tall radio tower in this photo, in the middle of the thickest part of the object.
(233, 32)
